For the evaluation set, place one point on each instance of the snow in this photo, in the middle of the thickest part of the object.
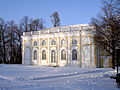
(21, 77)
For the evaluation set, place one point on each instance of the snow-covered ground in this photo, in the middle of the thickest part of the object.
(21, 77)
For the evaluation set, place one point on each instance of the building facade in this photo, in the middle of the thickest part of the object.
(70, 46)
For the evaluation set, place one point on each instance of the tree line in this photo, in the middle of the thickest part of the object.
(11, 32)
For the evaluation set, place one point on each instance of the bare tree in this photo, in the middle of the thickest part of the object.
(10, 37)
(36, 24)
(2, 41)
(18, 42)
(12, 41)
(107, 27)
(41, 24)
(55, 18)
(25, 23)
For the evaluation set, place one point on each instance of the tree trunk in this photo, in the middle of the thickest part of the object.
(4, 55)
(113, 59)
(113, 54)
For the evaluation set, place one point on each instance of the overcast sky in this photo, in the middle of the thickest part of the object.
(70, 11)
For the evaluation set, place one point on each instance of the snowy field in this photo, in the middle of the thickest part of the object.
(21, 77)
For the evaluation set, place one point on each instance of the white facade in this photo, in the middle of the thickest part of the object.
(60, 46)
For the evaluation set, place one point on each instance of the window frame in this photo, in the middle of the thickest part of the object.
(43, 55)
(43, 42)
(74, 54)
(35, 55)
(35, 43)
(53, 42)
(63, 42)
(74, 42)
(53, 56)
(63, 54)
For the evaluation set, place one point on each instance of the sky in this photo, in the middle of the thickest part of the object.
(70, 11)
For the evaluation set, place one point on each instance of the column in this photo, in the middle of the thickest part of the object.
(48, 52)
(23, 48)
(31, 49)
(93, 52)
(80, 48)
(69, 53)
(39, 43)
(58, 50)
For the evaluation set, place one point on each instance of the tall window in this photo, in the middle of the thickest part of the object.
(74, 54)
(43, 55)
(74, 41)
(35, 43)
(27, 56)
(86, 52)
(27, 53)
(43, 42)
(35, 55)
(53, 42)
(63, 55)
(53, 55)
(63, 42)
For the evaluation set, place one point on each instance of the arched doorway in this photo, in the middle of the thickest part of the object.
(27, 57)
(53, 58)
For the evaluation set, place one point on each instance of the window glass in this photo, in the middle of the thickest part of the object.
(43, 42)
(53, 42)
(35, 55)
(35, 43)
(63, 42)
(63, 55)
(53, 55)
(74, 41)
(74, 54)
(43, 55)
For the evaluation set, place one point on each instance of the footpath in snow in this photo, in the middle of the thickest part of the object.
(21, 77)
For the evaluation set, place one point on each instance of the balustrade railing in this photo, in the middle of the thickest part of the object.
(57, 30)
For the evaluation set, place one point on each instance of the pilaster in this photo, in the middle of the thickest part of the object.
(58, 51)
(48, 52)
(80, 48)
(69, 54)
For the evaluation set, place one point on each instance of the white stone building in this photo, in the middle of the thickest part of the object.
(61, 46)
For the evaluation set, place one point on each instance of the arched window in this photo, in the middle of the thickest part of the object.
(63, 55)
(43, 42)
(35, 55)
(53, 56)
(86, 53)
(74, 41)
(63, 42)
(43, 55)
(27, 56)
(35, 43)
(53, 42)
(74, 54)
